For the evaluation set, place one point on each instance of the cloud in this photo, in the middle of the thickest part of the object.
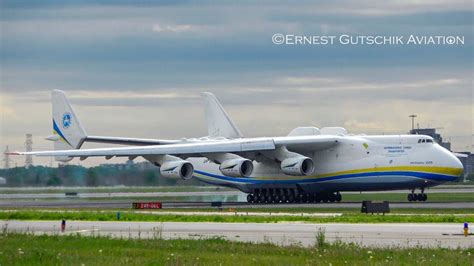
(173, 28)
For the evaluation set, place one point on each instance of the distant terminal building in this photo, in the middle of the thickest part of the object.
(432, 133)
(468, 163)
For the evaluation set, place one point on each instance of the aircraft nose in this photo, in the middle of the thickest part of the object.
(454, 162)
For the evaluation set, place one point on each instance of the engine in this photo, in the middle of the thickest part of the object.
(177, 169)
(297, 166)
(236, 167)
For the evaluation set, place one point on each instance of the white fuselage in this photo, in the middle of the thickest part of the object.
(357, 163)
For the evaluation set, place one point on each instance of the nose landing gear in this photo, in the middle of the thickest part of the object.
(417, 197)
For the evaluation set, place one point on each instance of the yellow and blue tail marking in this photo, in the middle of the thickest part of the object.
(58, 132)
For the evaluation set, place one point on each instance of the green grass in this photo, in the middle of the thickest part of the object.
(21, 249)
(335, 209)
(134, 216)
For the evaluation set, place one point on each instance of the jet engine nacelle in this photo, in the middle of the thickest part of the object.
(177, 169)
(297, 166)
(236, 167)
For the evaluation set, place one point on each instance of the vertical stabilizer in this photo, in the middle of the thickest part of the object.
(219, 123)
(68, 131)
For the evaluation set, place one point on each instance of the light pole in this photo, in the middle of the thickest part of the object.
(412, 122)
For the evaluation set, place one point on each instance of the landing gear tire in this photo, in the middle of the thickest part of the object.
(267, 199)
(417, 197)
(420, 197)
(250, 198)
(272, 199)
(298, 198)
(317, 199)
(338, 197)
(332, 197)
(280, 199)
(259, 198)
(294, 196)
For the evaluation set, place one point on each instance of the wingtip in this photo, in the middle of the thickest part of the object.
(58, 91)
(12, 153)
(207, 94)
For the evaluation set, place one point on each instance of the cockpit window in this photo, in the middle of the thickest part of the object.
(425, 141)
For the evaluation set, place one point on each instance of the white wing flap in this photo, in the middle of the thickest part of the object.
(247, 145)
(129, 141)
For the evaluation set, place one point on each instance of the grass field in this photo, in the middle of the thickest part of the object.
(415, 211)
(156, 217)
(21, 249)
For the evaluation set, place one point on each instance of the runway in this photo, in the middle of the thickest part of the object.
(42, 198)
(93, 195)
(371, 235)
(127, 204)
(221, 194)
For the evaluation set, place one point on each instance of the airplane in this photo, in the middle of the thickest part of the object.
(308, 165)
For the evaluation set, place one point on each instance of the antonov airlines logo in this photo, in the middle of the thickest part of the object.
(67, 120)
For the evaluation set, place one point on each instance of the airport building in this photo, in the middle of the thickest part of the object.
(468, 163)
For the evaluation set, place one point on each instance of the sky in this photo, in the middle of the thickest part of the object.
(135, 68)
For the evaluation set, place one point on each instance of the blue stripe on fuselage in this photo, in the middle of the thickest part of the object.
(430, 176)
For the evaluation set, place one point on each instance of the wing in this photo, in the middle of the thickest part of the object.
(200, 149)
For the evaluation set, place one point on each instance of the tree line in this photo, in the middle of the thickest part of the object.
(139, 174)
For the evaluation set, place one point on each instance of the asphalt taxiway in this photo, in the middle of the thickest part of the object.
(371, 235)
(124, 204)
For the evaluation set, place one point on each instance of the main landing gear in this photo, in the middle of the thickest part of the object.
(280, 196)
(417, 197)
